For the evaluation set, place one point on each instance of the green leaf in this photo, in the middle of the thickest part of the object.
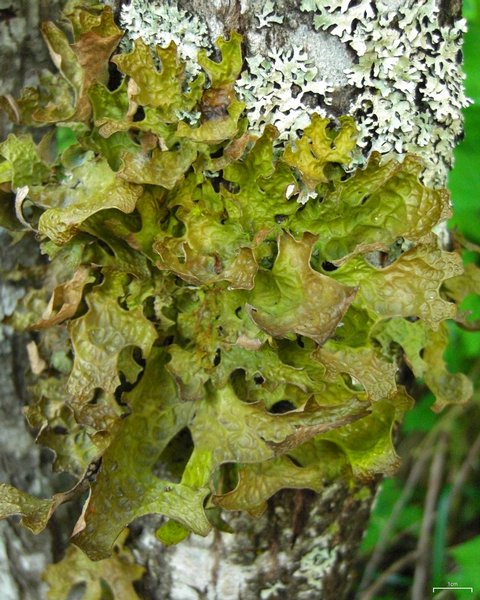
(458, 288)
(448, 388)
(171, 533)
(258, 482)
(81, 63)
(260, 202)
(424, 351)
(59, 430)
(421, 419)
(162, 167)
(158, 89)
(116, 253)
(126, 486)
(91, 17)
(115, 119)
(376, 376)
(368, 442)
(109, 105)
(463, 179)
(35, 513)
(64, 97)
(64, 58)
(189, 374)
(50, 103)
(247, 433)
(65, 138)
(113, 149)
(216, 130)
(211, 249)
(266, 374)
(96, 37)
(466, 557)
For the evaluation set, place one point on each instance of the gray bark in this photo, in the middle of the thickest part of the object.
(23, 557)
(304, 547)
(22, 51)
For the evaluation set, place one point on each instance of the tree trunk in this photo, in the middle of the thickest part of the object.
(22, 51)
(396, 67)
(22, 556)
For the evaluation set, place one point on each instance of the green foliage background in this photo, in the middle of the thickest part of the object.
(454, 543)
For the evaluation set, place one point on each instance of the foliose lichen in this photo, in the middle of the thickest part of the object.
(159, 23)
(270, 89)
(405, 69)
(219, 340)
(271, 83)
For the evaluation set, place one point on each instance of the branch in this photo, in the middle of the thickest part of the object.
(434, 484)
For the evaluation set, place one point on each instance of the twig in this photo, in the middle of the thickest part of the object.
(410, 484)
(371, 592)
(462, 474)
(443, 424)
(434, 484)
(447, 504)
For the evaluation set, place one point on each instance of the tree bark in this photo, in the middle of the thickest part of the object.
(22, 556)
(304, 546)
(22, 51)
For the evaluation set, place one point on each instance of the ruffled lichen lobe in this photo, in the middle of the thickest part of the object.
(226, 332)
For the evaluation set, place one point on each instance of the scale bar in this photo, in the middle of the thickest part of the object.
(452, 587)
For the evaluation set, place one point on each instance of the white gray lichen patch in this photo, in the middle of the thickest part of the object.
(272, 85)
(267, 15)
(410, 84)
(317, 564)
(399, 65)
(159, 23)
